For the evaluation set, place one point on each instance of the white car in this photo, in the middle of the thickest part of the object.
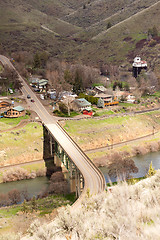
(10, 90)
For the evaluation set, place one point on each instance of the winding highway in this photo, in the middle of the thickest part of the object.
(93, 178)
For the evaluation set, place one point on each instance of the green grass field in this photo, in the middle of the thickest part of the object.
(6, 123)
(20, 145)
(93, 133)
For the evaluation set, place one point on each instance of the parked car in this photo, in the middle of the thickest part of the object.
(37, 90)
(10, 90)
(32, 100)
(42, 96)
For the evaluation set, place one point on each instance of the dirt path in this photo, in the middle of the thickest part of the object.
(19, 125)
(149, 136)
(21, 164)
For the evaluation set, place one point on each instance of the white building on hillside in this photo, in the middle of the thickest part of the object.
(138, 65)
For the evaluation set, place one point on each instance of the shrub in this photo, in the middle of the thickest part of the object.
(16, 174)
(63, 108)
(140, 150)
(58, 187)
(24, 206)
(4, 200)
(127, 212)
(57, 177)
(28, 112)
(153, 147)
(91, 99)
(14, 196)
(40, 172)
(58, 184)
(152, 43)
(10, 236)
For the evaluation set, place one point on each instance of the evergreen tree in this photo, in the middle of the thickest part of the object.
(24, 206)
(151, 170)
(100, 103)
(78, 84)
(37, 61)
(153, 32)
(34, 204)
(109, 25)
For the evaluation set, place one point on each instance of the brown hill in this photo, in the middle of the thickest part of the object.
(91, 31)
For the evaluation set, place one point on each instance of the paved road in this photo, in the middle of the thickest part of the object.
(93, 178)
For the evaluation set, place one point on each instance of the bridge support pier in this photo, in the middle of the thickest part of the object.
(56, 158)
(49, 153)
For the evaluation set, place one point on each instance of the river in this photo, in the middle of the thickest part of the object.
(30, 187)
(34, 187)
(141, 162)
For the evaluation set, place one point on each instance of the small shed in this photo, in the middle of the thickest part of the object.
(131, 98)
(88, 111)
(15, 112)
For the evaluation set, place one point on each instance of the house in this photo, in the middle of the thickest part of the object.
(109, 100)
(4, 104)
(100, 89)
(40, 84)
(15, 112)
(80, 104)
(106, 97)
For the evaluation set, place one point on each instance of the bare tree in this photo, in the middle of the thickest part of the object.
(55, 75)
(11, 78)
(121, 167)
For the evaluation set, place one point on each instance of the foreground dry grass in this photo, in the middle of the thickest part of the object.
(126, 212)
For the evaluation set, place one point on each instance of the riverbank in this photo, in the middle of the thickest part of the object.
(104, 156)
(17, 218)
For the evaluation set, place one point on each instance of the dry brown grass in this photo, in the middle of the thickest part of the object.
(126, 212)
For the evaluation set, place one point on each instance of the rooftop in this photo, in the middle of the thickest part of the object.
(19, 108)
(103, 95)
(82, 102)
(42, 82)
(101, 88)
